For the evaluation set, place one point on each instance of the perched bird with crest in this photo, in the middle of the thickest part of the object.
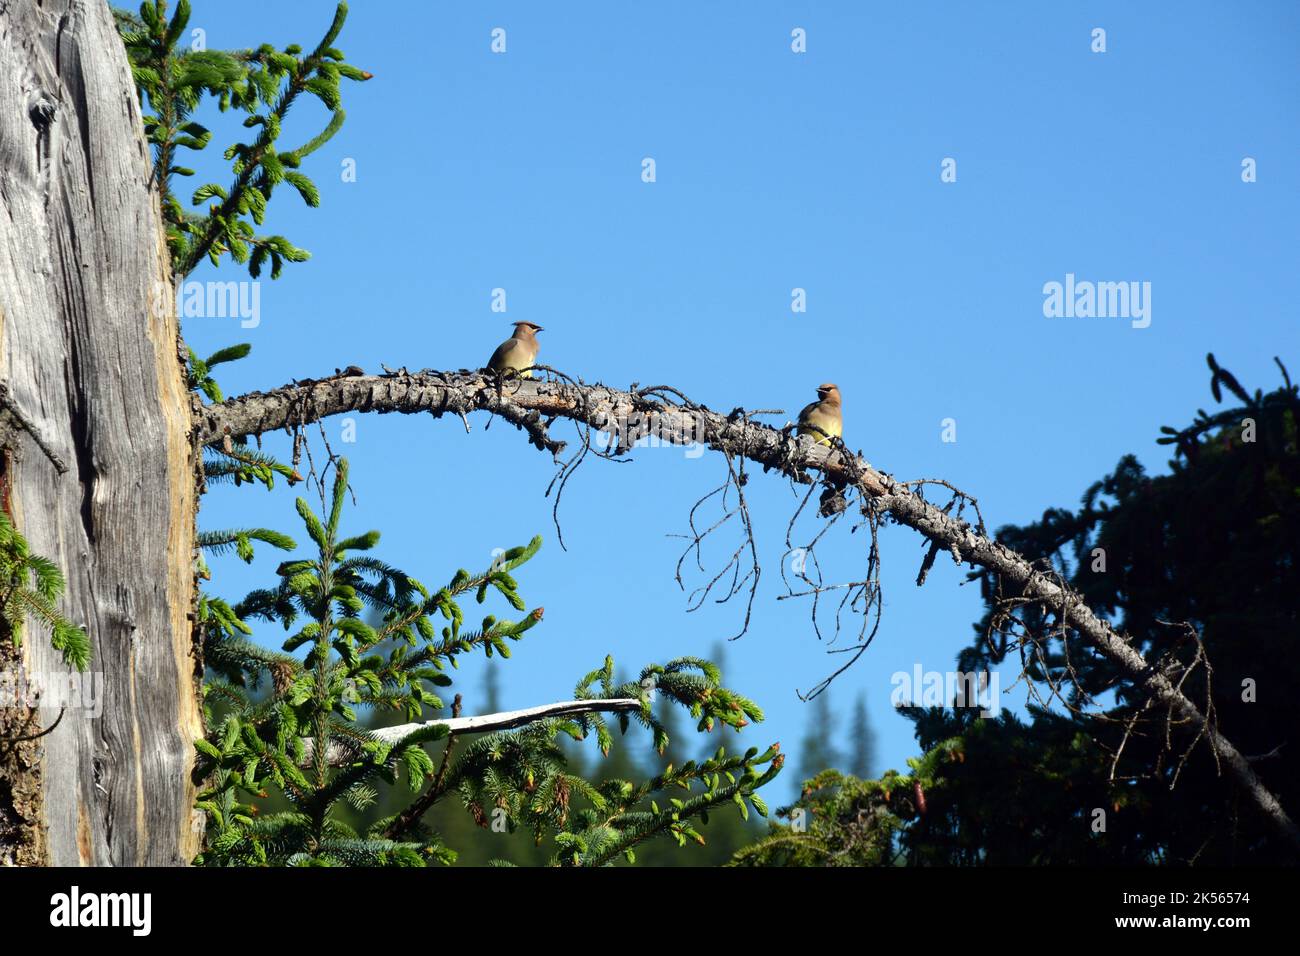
(826, 414)
(519, 352)
(824, 421)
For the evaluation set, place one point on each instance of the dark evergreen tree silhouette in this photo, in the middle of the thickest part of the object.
(862, 740)
(1202, 565)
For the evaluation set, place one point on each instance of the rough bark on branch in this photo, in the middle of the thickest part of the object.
(532, 404)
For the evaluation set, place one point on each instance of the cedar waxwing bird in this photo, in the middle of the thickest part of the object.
(825, 413)
(519, 352)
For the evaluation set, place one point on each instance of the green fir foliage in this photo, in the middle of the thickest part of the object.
(30, 588)
(291, 773)
(199, 371)
(174, 79)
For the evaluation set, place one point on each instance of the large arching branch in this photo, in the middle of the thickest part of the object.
(628, 415)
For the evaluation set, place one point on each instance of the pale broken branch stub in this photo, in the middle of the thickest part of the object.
(487, 723)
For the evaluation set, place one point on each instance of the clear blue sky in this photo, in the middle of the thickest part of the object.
(774, 171)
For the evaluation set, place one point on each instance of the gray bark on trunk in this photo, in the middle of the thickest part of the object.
(89, 353)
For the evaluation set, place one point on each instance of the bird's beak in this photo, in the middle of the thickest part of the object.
(538, 328)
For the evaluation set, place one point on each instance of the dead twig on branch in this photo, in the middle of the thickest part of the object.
(12, 418)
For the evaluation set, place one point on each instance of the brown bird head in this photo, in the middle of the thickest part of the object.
(527, 330)
(829, 393)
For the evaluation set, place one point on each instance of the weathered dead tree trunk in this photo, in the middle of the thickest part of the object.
(89, 353)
